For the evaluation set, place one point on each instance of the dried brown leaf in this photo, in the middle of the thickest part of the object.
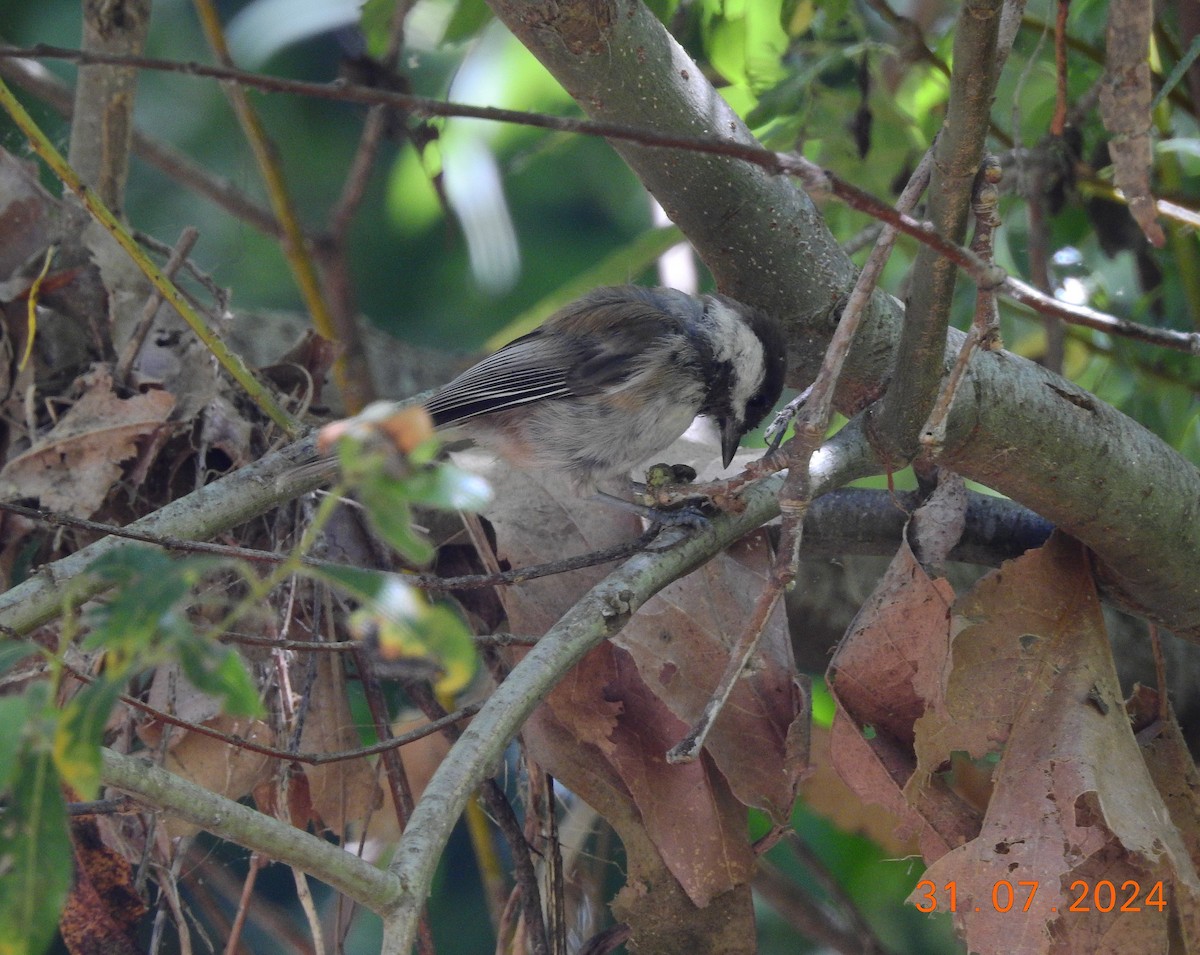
(1073, 802)
(539, 518)
(1173, 771)
(890, 664)
(1125, 97)
(851, 786)
(345, 792)
(602, 731)
(420, 758)
(226, 770)
(27, 218)
(937, 525)
(681, 640)
(884, 675)
(687, 811)
(73, 467)
(998, 661)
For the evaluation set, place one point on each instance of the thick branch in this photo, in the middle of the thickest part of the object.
(622, 66)
(102, 119)
(957, 155)
(342, 870)
(596, 616)
(766, 245)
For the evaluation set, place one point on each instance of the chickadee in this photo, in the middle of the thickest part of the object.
(613, 378)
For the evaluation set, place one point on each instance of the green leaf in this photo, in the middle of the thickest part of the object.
(13, 652)
(148, 586)
(444, 637)
(387, 506)
(374, 21)
(15, 713)
(406, 626)
(469, 19)
(79, 733)
(448, 488)
(220, 671)
(746, 41)
(35, 858)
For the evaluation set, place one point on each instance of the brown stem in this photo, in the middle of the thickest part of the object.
(102, 120)
(920, 358)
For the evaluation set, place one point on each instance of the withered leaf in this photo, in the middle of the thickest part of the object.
(1073, 804)
(73, 467)
(681, 641)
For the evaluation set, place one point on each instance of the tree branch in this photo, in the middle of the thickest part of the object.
(767, 246)
(599, 614)
(102, 117)
(344, 871)
(239, 497)
(958, 152)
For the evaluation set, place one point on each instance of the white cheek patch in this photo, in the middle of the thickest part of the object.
(734, 342)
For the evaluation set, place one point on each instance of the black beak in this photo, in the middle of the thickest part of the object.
(731, 437)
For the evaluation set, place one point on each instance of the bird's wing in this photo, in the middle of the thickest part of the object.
(529, 369)
(575, 354)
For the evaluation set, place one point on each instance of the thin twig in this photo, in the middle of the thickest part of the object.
(295, 246)
(230, 361)
(811, 176)
(179, 254)
(47, 87)
(424, 581)
(271, 752)
(1058, 122)
(352, 370)
(402, 798)
(919, 361)
(796, 497)
(985, 324)
(506, 820)
(119, 806)
(1160, 674)
(257, 862)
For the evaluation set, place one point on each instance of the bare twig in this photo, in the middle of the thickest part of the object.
(223, 817)
(255, 555)
(797, 494)
(1058, 122)
(985, 325)
(310, 759)
(295, 248)
(257, 862)
(1160, 674)
(351, 369)
(179, 254)
(958, 151)
(811, 176)
(47, 87)
(402, 798)
(105, 217)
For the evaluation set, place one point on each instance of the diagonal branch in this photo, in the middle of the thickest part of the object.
(598, 615)
(958, 152)
(223, 817)
(766, 245)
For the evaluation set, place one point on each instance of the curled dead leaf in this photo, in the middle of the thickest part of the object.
(75, 465)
